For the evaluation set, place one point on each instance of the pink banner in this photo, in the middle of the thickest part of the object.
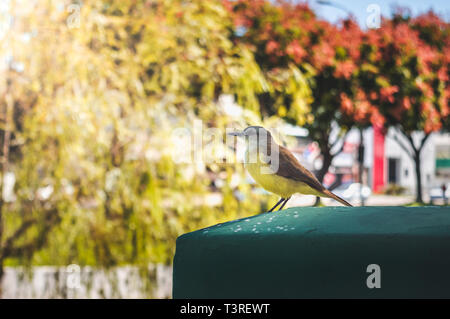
(378, 159)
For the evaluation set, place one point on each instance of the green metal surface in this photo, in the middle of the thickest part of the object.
(307, 252)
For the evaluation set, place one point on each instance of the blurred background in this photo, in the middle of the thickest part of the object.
(113, 116)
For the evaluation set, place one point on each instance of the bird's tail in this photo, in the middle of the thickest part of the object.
(335, 197)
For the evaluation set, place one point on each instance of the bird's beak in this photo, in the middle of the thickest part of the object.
(236, 133)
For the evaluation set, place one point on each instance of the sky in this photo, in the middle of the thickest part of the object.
(359, 8)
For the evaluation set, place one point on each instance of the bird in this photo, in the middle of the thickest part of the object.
(277, 170)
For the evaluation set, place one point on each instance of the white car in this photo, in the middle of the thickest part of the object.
(352, 191)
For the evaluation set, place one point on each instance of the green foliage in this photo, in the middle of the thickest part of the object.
(394, 189)
(96, 106)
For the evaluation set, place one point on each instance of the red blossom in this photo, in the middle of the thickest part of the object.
(272, 46)
(376, 118)
(344, 69)
(346, 104)
(432, 122)
(323, 56)
(426, 89)
(362, 111)
(443, 74)
(406, 103)
(387, 93)
(296, 51)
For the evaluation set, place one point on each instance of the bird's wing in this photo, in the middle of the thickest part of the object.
(289, 167)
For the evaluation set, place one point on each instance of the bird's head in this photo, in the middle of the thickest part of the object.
(252, 131)
(261, 148)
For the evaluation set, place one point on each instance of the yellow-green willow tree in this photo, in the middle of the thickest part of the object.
(89, 101)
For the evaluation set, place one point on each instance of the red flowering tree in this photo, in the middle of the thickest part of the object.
(404, 72)
(394, 76)
(282, 34)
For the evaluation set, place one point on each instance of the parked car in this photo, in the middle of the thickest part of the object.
(352, 191)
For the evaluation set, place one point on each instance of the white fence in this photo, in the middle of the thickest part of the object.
(87, 282)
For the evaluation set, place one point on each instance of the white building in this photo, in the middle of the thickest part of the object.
(395, 166)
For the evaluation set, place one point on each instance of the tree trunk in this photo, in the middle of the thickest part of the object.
(361, 164)
(419, 198)
(414, 153)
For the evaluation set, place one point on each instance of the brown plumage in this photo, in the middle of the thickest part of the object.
(289, 167)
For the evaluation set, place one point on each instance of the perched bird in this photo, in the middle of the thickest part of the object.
(277, 170)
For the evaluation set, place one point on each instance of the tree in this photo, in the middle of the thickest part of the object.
(405, 74)
(25, 218)
(285, 35)
(94, 106)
